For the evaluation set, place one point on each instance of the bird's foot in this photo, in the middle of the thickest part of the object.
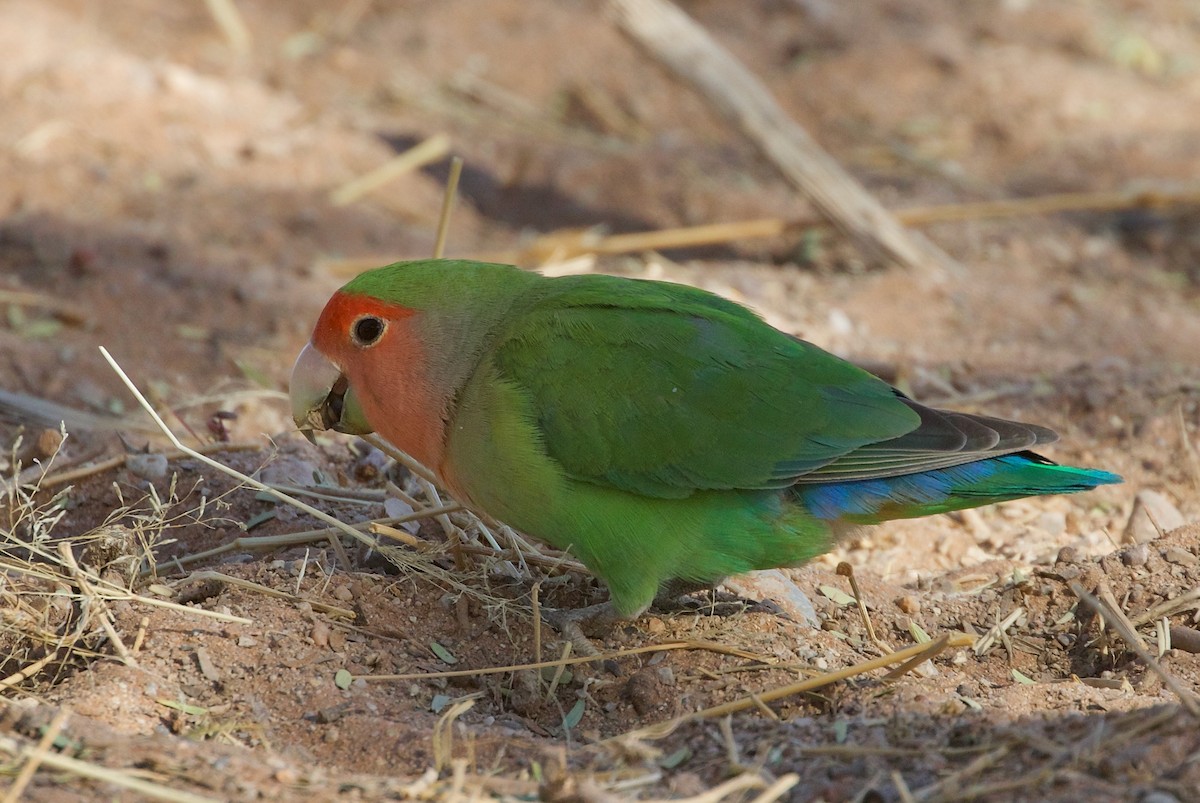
(706, 600)
(577, 624)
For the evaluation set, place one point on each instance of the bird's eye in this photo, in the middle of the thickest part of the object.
(367, 330)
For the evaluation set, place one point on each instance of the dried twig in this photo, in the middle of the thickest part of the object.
(426, 152)
(673, 38)
(709, 646)
(443, 229)
(1116, 619)
(923, 651)
(36, 755)
(225, 13)
(258, 588)
(570, 243)
(847, 571)
(989, 639)
(121, 779)
(92, 598)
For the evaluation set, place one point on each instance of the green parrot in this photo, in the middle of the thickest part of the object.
(662, 434)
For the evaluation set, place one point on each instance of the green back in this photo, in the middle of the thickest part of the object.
(662, 389)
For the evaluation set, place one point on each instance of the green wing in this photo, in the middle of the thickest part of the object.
(662, 390)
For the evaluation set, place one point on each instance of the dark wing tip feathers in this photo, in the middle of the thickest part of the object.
(942, 439)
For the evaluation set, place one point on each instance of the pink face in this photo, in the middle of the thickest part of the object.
(375, 350)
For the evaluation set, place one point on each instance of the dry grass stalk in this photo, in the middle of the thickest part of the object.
(256, 542)
(92, 598)
(267, 591)
(950, 787)
(229, 20)
(443, 229)
(34, 757)
(45, 625)
(923, 652)
(902, 789)
(59, 307)
(29, 671)
(709, 646)
(443, 730)
(673, 38)
(124, 780)
(1116, 619)
(416, 157)
(573, 243)
(402, 559)
(1170, 607)
(846, 570)
(997, 633)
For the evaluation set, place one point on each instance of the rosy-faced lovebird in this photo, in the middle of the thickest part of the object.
(659, 432)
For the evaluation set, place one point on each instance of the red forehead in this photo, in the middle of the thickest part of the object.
(344, 309)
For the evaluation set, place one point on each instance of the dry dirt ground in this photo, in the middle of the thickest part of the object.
(166, 193)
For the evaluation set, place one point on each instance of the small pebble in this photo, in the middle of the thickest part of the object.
(1185, 638)
(1066, 555)
(1152, 512)
(1135, 555)
(343, 593)
(909, 604)
(1179, 556)
(320, 634)
(644, 691)
(147, 466)
(47, 443)
(1157, 796)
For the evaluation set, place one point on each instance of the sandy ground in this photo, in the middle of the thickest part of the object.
(167, 194)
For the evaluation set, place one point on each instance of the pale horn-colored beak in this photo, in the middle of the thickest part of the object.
(322, 398)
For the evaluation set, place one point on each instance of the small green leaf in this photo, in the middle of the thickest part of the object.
(261, 518)
(675, 759)
(918, 633)
(342, 679)
(188, 331)
(41, 328)
(564, 679)
(841, 729)
(1021, 677)
(190, 710)
(439, 702)
(575, 715)
(443, 654)
(971, 703)
(837, 595)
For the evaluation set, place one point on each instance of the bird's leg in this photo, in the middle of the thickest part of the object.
(576, 624)
(674, 596)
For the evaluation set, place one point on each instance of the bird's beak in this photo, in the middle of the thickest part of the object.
(322, 398)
